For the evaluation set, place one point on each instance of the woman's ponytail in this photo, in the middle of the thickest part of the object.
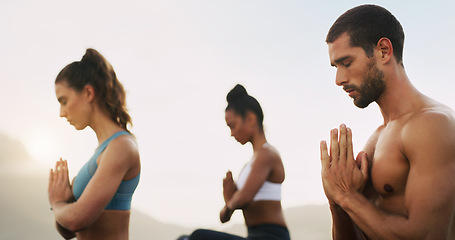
(96, 71)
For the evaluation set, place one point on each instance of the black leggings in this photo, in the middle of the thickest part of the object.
(261, 232)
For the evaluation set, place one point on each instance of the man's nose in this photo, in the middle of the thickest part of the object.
(340, 78)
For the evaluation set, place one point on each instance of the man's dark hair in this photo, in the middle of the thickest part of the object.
(365, 25)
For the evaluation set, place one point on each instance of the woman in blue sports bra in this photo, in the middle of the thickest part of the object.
(257, 191)
(96, 205)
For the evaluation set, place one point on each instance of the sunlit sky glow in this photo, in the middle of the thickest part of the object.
(177, 61)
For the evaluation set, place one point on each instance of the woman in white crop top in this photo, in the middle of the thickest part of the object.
(257, 191)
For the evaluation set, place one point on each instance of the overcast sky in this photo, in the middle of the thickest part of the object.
(177, 61)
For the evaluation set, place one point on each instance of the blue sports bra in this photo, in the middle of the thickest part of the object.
(124, 194)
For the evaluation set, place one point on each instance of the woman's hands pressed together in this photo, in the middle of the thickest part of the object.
(229, 188)
(59, 189)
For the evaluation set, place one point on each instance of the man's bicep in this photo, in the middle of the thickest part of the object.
(430, 187)
(429, 197)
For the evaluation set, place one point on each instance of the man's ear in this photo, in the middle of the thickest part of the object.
(385, 48)
(89, 93)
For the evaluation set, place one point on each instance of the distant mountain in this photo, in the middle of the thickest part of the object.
(12, 151)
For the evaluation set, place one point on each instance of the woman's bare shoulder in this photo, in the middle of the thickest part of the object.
(123, 148)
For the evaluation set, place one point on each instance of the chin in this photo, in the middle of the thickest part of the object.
(79, 127)
(241, 142)
(361, 104)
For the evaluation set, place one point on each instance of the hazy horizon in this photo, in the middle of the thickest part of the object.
(19, 179)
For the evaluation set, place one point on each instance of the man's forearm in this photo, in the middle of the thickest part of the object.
(343, 228)
(375, 223)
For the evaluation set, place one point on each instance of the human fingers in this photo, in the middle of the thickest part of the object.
(65, 166)
(230, 178)
(51, 179)
(349, 147)
(56, 166)
(66, 171)
(225, 178)
(358, 159)
(60, 171)
(51, 175)
(342, 144)
(364, 166)
(334, 147)
(325, 159)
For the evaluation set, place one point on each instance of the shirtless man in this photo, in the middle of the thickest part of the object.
(402, 185)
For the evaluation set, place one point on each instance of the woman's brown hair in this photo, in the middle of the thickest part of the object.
(94, 70)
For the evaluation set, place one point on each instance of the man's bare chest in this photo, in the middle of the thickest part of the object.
(389, 168)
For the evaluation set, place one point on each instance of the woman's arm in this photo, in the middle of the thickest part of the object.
(226, 214)
(66, 234)
(118, 158)
(260, 171)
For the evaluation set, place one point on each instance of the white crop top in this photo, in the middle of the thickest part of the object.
(269, 191)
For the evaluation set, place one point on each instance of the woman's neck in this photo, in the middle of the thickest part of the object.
(258, 140)
(103, 126)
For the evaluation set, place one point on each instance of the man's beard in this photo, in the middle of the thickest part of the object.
(372, 87)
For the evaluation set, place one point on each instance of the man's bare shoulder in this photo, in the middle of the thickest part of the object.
(436, 116)
(431, 129)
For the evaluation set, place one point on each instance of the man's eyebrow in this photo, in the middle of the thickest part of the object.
(339, 60)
